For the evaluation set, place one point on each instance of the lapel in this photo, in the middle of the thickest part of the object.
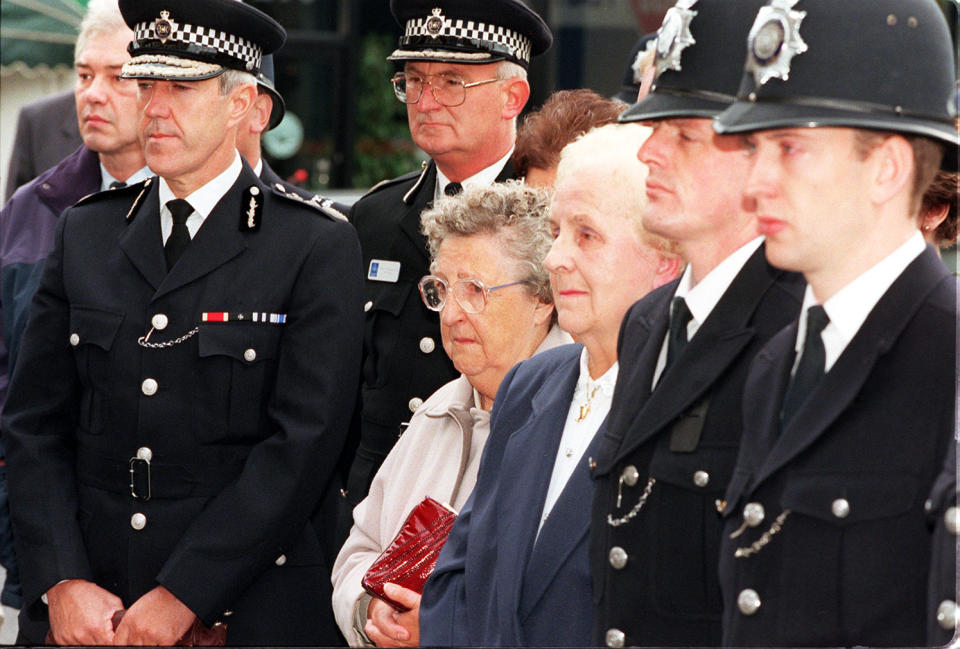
(843, 382)
(716, 345)
(142, 241)
(529, 457)
(565, 529)
(417, 199)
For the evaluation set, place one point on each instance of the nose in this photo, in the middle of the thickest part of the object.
(761, 177)
(153, 101)
(451, 313)
(650, 152)
(558, 258)
(96, 92)
(428, 101)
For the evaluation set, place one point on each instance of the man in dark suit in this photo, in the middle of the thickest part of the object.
(674, 425)
(46, 134)
(178, 409)
(464, 83)
(848, 412)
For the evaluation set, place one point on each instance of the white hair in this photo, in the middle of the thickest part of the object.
(102, 17)
(231, 78)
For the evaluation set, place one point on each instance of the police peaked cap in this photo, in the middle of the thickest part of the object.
(191, 40)
(469, 31)
(699, 58)
(882, 65)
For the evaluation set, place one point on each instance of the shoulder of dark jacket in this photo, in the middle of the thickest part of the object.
(120, 193)
(394, 182)
(324, 206)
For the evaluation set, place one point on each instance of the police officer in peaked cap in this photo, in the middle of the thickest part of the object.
(178, 408)
(460, 59)
(846, 108)
(674, 423)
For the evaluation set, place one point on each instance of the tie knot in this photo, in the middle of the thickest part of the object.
(817, 320)
(117, 184)
(452, 189)
(680, 312)
(179, 210)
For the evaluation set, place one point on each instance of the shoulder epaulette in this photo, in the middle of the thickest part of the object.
(390, 182)
(114, 193)
(322, 205)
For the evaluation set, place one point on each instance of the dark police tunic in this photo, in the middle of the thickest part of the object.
(842, 554)
(654, 573)
(404, 362)
(180, 428)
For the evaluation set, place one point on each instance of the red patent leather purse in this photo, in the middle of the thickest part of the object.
(411, 556)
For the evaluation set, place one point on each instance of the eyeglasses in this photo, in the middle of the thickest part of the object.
(470, 294)
(447, 89)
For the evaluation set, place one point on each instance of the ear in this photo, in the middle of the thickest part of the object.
(542, 313)
(516, 93)
(241, 99)
(668, 269)
(260, 113)
(891, 169)
(931, 220)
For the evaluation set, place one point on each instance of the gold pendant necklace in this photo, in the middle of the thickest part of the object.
(585, 408)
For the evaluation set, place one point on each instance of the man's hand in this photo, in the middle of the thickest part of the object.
(80, 613)
(158, 618)
(388, 628)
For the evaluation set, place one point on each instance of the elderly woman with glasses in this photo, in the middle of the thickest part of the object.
(514, 571)
(492, 293)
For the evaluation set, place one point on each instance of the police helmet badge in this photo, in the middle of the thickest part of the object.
(774, 40)
(674, 36)
(163, 26)
(435, 21)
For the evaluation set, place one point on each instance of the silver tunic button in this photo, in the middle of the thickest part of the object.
(748, 601)
(615, 638)
(144, 453)
(282, 559)
(414, 404)
(138, 521)
(74, 340)
(159, 322)
(753, 514)
(947, 614)
(928, 505)
(427, 345)
(250, 355)
(951, 521)
(618, 558)
(840, 508)
(630, 476)
(149, 387)
(701, 478)
(368, 306)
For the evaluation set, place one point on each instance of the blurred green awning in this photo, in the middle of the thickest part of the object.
(39, 32)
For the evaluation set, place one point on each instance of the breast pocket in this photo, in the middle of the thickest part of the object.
(239, 359)
(92, 335)
(382, 330)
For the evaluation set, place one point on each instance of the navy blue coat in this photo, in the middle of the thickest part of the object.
(492, 585)
(244, 418)
(843, 553)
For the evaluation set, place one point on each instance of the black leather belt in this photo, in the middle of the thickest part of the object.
(146, 479)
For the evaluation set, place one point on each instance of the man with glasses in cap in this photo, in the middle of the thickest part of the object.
(178, 409)
(464, 82)
(673, 428)
(849, 412)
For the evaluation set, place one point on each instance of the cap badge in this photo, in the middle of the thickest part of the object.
(435, 22)
(774, 40)
(163, 26)
(674, 35)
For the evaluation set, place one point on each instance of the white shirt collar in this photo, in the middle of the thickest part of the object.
(702, 298)
(850, 306)
(203, 200)
(106, 179)
(483, 177)
(258, 169)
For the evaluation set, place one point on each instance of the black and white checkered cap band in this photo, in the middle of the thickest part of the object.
(248, 53)
(516, 43)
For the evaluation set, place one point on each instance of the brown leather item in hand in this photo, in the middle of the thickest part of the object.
(411, 556)
(196, 636)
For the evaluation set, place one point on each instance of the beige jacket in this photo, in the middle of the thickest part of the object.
(437, 456)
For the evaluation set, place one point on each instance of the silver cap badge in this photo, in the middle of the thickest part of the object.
(774, 40)
(164, 27)
(674, 35)
(435, 22)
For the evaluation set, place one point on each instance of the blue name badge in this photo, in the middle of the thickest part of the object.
(382, 270)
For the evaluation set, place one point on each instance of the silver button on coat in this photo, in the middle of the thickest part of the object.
(630, 476)
(840, 508)
(159, 321)
(74, 340)
(753, 514)
(250, 355)
(748, 601)
(427, 345)
(149, 387)
(701, 478)
(618, 558)
(414, 404)
(138, 521)
(615, 638)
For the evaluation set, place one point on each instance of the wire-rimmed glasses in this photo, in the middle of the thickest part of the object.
(448, 89)
(470, 294)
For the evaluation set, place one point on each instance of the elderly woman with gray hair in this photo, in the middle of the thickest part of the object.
(492, 292)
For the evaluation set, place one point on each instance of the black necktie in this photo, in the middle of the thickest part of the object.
(179, 237)
(680, 317)
(810, 368)
(117, 184)
(452, 189)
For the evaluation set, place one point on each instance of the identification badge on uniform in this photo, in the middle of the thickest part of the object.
(382, 270)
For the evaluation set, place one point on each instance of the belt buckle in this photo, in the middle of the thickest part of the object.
(136, 462)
